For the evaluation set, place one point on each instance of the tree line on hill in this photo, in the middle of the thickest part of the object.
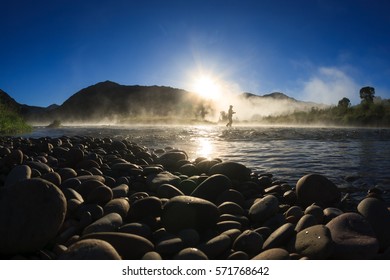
(372, 111)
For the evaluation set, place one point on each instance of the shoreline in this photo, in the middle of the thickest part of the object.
(116, 194)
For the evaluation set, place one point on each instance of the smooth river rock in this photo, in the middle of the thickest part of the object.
(263, 209)
(231, 169)
(90, 249)
(129, 246)
(314, 242)
(212, 187)
(353, 236)
(315, 188)
(18, 173)
(32, 212)
(188, 212)
(378, 215)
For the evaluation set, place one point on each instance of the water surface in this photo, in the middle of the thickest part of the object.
(356, 159)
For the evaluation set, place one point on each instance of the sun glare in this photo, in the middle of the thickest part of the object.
(207, 87)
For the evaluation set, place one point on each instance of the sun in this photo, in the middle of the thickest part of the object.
(207, 87)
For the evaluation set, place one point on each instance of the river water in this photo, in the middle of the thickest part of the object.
(355, 159)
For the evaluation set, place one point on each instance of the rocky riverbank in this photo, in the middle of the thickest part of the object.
(99, 198)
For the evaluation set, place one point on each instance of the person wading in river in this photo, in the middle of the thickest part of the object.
(230, 116)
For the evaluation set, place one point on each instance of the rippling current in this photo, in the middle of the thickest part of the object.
(356, 159)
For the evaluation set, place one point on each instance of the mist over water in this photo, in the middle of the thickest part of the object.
(355, 159)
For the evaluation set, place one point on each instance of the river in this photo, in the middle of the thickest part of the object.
(355, 159)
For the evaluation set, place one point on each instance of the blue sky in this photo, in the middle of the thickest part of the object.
(313, 50)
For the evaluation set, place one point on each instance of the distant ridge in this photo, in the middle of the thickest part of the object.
(112, 102)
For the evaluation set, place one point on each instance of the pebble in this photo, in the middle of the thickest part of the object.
(353, 236)
(117, 205)
(216, 246)
(155, 180)
(306, 221)
(233, 170)
(129, 246)
(273, 254)
(279, 237)
(150, 206)
(137, 229)
(315, 242)
(168, 191)
(315, 188)
(263, 209)
(190, 254)
(249, 242)
(377, 214)
(109, 222)
(186, 212)
(212, 187)
(90, 249)
(18, 173)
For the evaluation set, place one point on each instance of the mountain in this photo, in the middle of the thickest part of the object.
(114, 103)
(8, 101)
(272, 104)
(273, 95)
(107, 101)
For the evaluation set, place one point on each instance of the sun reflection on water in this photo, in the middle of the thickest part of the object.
(205, 148)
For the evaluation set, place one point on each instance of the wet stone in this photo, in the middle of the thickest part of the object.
(100, 195)
(169, 247)
(150, 206)
(190, 254)
(316, 211)
(353, 236)
(306, 221)
(315, 188)
(128, 246)
(187, 186)
(184, 212)
(233, 170)
(90, 249)
(279, 237)
(190, 237)
(331, 213)
(263, 209)
(53, 177)
(216, 246)
(273, 254)
(378, 215)
(152, 256)
(227, 225)
(238, 255)
(170, 159)
(314, 242)
(43, 168)
(231, 195)
(168, 191)
(109, 222)
(137, 229)
(155, 180)
(25, 225)
(18, 173)
(120, 191)
(117, 205)
(212, 187)
(249, 242)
